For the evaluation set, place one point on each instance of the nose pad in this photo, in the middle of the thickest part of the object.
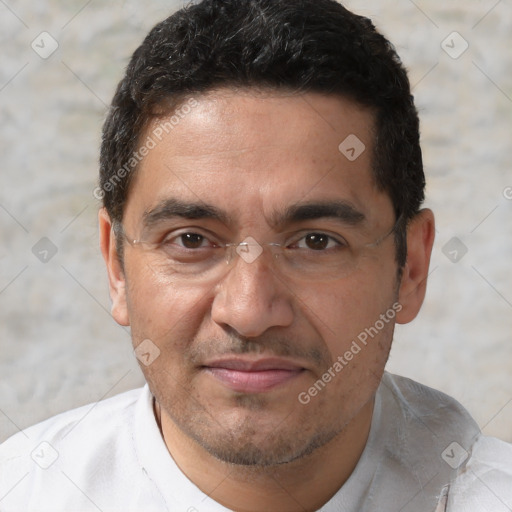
(249, 250)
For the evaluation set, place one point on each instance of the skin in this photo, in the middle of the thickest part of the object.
(252, 153)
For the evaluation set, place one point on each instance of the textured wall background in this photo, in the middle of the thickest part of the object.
(59, 347)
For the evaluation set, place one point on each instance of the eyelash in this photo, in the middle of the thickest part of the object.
(170, 240)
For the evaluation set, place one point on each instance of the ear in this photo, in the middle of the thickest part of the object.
(116, 278)
(413, 285)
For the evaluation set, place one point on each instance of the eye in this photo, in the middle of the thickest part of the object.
(187, 240)
(317, 241)
(191, 240)
(188, 247)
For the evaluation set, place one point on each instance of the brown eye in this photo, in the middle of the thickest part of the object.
(317, 241)
(191, 240)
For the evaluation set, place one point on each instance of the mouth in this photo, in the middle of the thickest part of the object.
(253, 376)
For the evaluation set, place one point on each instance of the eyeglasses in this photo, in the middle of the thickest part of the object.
(193, 254)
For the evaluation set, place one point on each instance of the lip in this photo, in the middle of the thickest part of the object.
(253, 376)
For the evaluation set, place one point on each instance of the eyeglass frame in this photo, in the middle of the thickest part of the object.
(118, 230)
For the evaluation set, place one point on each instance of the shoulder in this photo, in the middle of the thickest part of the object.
(485, 482)
(75, 446)
(477, 469)
(98, 415)
(435, 410)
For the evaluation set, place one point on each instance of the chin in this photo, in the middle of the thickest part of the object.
(250, 446)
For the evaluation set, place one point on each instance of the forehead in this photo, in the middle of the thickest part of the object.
(259, 151)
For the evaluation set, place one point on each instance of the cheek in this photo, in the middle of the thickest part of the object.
(348, 316)
(358, 340)
(161, 309)
(342, 310)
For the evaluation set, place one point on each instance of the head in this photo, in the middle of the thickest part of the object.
(233, 122)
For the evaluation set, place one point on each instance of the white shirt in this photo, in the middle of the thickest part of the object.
(424, 454)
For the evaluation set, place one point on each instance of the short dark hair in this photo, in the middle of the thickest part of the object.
(297, 45)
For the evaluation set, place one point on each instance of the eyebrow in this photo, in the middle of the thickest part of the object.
(171, 208)
(340, 210)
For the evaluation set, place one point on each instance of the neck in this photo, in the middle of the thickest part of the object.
(305, 484)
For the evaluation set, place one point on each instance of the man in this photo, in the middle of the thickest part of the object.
(262, 182)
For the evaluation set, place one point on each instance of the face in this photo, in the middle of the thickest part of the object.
(240, 347)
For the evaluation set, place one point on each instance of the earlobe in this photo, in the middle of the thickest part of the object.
(413, 285)
(116, 278)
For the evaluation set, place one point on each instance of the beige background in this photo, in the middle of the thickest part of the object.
(59, 347)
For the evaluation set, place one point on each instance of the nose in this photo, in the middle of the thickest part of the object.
(252, 298)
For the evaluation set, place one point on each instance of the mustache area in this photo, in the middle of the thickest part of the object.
(264, 346)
